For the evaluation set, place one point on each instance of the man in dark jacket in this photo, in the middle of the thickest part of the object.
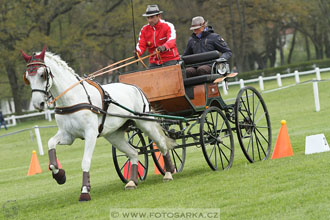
(2, 121)
(203, 40)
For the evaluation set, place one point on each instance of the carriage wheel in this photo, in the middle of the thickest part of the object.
(216, 139)
(178, 155)
(122, 162)
(252, 124)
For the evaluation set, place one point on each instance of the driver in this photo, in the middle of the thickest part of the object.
(158, 34)
(203, 40)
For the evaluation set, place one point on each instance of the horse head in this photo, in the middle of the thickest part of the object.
(38, 77)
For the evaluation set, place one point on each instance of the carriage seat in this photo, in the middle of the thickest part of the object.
(207, 58)
(200, 79)
(201, 58)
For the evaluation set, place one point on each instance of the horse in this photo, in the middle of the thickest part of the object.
(83, 112)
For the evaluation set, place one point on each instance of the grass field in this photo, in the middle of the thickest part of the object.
(288, 188)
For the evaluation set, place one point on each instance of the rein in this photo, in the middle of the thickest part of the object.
(99, 73)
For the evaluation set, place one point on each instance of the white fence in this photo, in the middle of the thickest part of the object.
(317, 71)
(12, 120)
(37, 135)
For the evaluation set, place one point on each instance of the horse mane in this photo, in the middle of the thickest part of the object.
(57, 59)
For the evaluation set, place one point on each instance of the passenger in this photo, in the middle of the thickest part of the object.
(158, 35)
(2, 121)
(203, 40)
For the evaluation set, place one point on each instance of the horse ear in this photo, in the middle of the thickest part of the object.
(26, 81)
(42, 54)
(27, 58)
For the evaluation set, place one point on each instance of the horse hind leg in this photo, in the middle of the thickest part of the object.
(117, 139)
(164, 143)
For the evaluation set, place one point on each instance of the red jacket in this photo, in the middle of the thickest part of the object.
(151, 37)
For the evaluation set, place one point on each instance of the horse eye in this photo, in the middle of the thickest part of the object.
(42, 75)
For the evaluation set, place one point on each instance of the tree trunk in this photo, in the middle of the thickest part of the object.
(237, 59)
(241, 14)
(293, 42)
(280, 47)
(308, 51)
(16, 89)
(326, 44)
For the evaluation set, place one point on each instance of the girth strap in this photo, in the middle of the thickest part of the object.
(74, 108)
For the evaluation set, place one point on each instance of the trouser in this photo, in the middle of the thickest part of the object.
(4, 124)
(168, 63)
(198, 71)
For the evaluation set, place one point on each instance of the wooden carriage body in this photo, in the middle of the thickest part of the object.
(170, 94)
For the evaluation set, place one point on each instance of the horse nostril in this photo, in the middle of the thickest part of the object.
(42, 105)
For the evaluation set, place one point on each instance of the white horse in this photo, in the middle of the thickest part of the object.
(47, 73)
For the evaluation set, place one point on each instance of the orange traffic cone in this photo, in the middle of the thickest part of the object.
(58, 164)
(160, 158)
(283, 146)
(127, 170)
(34, 165)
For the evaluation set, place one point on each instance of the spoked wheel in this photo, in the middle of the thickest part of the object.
(122, 162)
(216, 139)
(253, 124)
(178, 155)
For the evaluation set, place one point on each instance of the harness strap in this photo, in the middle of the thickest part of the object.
(82, 83)
(78, 107)
(106, 100)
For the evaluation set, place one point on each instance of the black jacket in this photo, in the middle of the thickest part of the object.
(208, 42)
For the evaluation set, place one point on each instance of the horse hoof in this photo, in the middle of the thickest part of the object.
(84, 197)
(167, 177)
(60, 176)
(130, 185)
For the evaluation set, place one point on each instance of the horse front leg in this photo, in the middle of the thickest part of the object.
(62, 139)
(85, 165)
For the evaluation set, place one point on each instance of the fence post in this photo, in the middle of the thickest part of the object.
(36, 130)
(224, 87)
(279, 81)
(296, 74)
(13, 118)
(49, 115)
(241, 82)
(318, 74)
(261, 83)
(316, 96)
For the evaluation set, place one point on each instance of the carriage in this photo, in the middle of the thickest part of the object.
(193, 113)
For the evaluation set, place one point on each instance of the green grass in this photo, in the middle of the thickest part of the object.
(287, 188)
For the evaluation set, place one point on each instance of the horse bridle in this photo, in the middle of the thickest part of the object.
(46, 75)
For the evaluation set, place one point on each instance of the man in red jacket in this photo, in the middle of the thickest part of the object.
(158, 35)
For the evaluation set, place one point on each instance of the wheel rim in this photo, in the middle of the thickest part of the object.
(253, 125)
(178, 155)
(216, 139)
(122, 162)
